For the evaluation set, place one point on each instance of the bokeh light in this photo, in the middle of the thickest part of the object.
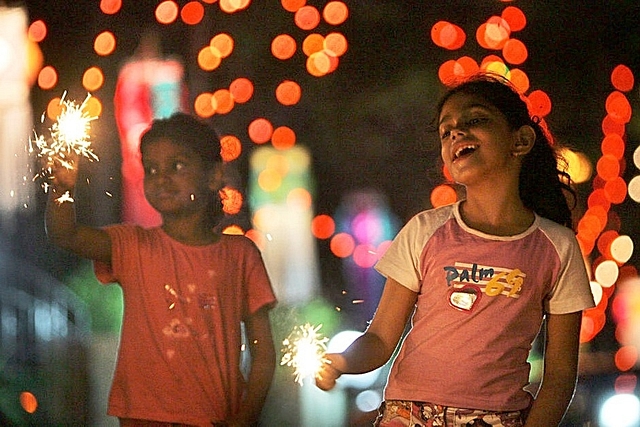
(283, 46)
(342, 245)
(203, 105)
(288, 92)
(260, 130)
(93, 79)
(292, 5)
(323, 226)
(335, 12)
(578, 165)
(37, 31)
(283, 138)
(167, 12)
(47, 78)
(208, 59)
(241, 89)
(230, 148)
(620, 410)
(105, 43)
(447, 35)
(634, 188)
(443, 195)
(313, 43)
(110, 7)
(539, 103)
(223, 44)
(307, 17)
(192, 13)
(621, 249)
(606, 273)
(29, 402)
(515, 52)
(222, 101)
(515, 17)
(622, 78)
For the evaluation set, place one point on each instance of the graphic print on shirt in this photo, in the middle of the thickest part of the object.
(468, 282)
(183, 307)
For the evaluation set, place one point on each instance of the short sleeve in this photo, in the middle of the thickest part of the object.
(572, 291)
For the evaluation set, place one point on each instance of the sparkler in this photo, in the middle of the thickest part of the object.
(68, 136)
(304, 351)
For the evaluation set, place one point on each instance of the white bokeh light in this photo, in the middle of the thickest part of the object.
(368, 400)
(620, 410)
(621, 248)
(634, 188)
(607, 273)
(636, 157)
(596, 291)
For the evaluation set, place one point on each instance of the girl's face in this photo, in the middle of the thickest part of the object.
(176, 180)
(477, 142)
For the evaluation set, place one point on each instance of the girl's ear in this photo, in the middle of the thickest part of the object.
(216, 177)
(525, 138)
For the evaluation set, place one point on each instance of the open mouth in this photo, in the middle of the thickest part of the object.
(464, 150)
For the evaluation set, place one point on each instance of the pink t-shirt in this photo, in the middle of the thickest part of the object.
(481, 301)
(180, 347)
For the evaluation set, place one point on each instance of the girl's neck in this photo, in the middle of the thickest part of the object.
(189, 232)
(498, 217)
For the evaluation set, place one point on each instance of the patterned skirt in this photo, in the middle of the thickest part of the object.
(403, 413)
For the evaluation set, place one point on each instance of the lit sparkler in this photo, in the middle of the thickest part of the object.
(69, 135)
(304, 351)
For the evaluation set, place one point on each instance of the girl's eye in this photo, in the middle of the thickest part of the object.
(444, 134)
(178, 166)
(477, 121)
(150, 170)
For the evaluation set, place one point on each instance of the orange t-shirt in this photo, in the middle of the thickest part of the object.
(180, 350)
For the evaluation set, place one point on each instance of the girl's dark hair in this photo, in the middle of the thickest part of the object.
(542, 183)
(186, 130)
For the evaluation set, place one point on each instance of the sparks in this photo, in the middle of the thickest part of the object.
(66, 197)
(68, 135)
(304, 351)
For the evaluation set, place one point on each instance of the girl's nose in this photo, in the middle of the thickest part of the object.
(457, 133)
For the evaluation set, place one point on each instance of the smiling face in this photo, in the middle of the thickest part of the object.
(176, 181)
(477, 143)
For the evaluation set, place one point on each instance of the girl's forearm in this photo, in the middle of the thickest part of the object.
(60, 219)
(551, 403)
(258, 384)
(367, 353)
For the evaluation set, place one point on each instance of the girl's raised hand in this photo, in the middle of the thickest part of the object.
(64, 172)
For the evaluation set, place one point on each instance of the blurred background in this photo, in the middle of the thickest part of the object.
(325, 112)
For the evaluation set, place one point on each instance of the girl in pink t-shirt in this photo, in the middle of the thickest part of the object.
(477, 278)
(187, 289)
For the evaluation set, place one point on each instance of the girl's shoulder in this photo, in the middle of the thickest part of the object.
(555, 230)
(238, 241)
(435, 216)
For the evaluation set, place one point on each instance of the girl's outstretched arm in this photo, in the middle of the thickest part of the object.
(60, 219)
(373, 348)
(560, 370)
(263, 365)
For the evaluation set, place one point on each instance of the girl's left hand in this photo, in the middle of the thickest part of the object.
(329, 371)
